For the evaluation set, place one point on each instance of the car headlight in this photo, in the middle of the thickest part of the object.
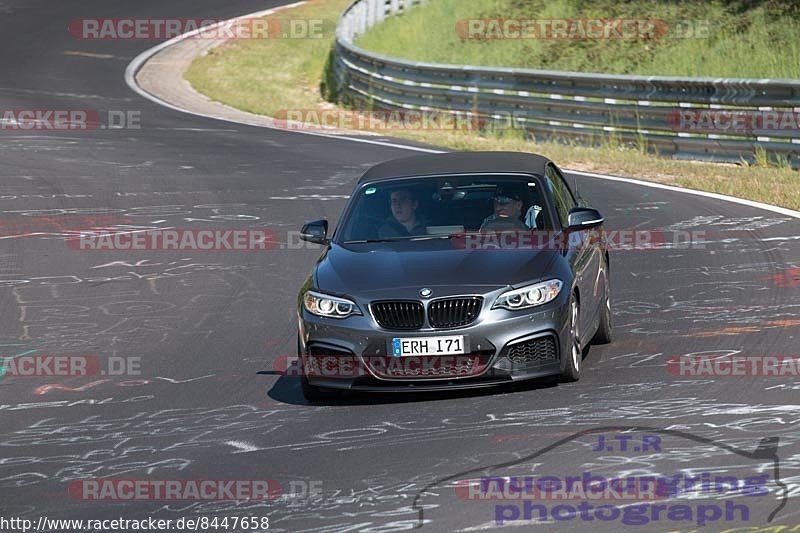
(329, 306)
(530, 296)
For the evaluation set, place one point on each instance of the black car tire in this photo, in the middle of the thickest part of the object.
(574, 359)
(315, 394)
(603, 335)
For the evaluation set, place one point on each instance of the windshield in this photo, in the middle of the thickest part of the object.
(440, 207)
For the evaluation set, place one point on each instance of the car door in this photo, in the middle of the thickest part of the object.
(583, 259)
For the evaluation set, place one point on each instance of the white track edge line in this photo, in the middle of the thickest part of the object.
(137, 63)
(733, 199)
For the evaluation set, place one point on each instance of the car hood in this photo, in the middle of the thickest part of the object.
(383, 267)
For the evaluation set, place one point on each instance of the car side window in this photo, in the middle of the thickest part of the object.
(571, 200)
(562, 197)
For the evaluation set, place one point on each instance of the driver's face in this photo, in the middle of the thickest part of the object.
(509, 209)
(404, 207)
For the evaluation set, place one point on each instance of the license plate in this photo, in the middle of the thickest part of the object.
(451, 345)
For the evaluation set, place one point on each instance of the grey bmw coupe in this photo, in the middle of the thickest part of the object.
(454, 270)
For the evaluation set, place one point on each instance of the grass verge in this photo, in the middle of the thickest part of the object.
(273, 75)
(733, 38)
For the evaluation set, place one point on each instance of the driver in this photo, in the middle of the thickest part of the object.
(405, 221)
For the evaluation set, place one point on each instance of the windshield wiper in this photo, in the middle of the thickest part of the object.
(448, 236)
(370, 241)
(431, 237)
(398, 239)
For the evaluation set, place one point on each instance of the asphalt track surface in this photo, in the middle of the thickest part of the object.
(209, 327)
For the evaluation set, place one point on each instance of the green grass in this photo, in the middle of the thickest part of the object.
(733, 38)
(265, 76)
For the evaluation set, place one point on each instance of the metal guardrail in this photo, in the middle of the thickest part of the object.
(574, 105)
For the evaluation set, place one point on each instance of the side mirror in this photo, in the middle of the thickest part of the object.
(316, 232)
(584, 218)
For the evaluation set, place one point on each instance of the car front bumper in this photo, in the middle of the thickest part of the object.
(505, 346)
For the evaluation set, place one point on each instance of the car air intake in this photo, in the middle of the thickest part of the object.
(328, 362)
(412, 367)
(535, 350)
(399, 314)
(453, 312)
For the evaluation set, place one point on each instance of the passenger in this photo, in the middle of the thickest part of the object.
(507, 210)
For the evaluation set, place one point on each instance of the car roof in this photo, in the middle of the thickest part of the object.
(457, 163)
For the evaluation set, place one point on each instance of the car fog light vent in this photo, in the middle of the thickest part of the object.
(535, 350)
